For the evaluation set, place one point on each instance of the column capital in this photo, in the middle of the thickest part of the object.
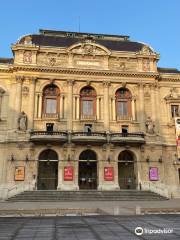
(70, 82)
(106, 83)
(32, 79)
(19, 79)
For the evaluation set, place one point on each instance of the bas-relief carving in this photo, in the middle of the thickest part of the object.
(27, 57)
(150, 126)
(146, 50)
(22, 121)
(88, 49)
(122, 64)
(52, 60)
(146, 65)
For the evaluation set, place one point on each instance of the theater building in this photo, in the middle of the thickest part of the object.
(87, 111)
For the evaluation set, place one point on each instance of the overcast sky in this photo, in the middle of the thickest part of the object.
(155, 22)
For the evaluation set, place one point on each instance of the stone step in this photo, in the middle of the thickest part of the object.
(122, 195)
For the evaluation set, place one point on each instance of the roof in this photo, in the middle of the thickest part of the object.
(168, 70)
(6, 60)
(66, 39)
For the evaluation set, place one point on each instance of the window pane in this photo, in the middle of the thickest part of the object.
(174, 110)
(87, 108)
(122, 109)
(51, 106)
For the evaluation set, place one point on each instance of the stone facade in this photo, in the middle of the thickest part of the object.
(70, 63)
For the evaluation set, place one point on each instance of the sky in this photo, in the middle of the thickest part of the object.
(155, 22)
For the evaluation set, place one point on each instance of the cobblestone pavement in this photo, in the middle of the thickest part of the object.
(89, 227)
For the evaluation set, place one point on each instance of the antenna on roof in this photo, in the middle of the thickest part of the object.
(79, 24)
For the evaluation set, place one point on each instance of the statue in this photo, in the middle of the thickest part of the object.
(150, 126)
(22, 121)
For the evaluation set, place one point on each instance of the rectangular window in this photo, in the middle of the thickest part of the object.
(88, 128)
(174, 111)
(122, 109)
(87, 108)
(51, 105)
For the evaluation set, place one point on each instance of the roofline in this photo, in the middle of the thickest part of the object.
(55, 32)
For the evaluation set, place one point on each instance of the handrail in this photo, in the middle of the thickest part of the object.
(101, 134)
(142, 135)
(48, 133)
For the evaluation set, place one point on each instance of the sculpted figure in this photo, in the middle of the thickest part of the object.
(22, 121)
(150, 126)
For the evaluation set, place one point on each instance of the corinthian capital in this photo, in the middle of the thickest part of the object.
(19, 79)
(106, 83)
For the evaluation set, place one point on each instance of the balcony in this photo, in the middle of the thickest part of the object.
(123, 118)
(45, 136)
(137, 138)
(89, 137)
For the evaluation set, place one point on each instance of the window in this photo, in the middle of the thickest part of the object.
(88, 103)
(123, 104)
(51, 96)
(88, 128)
(174, 111)
(124, 130)
(49, 127)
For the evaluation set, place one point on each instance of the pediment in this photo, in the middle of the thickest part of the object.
(173, 95)
(88, 48)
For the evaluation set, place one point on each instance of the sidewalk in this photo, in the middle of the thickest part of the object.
(101, 207)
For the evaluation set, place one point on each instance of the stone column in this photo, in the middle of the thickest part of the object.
(113, 109)
(70, 105)
(1, 96)
(141, 107)
(106, 106)
(40, 106)
(77, 107)
(133, 109)
(74, 108)
(36, 105)
(32, 81)
(157, 100)
(153, 103)
(97, 108)
(18, 100)
(61, 107)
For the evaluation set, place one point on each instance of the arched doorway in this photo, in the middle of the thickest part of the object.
(88, 170)
(126, 175)
(47, 170)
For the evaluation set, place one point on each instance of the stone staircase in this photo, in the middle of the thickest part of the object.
(85, 195)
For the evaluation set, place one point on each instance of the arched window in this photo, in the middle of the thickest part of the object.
(123, 104)
(88, 155)
(125, 156)
(48, 154)
(50, 106)
(88, 103)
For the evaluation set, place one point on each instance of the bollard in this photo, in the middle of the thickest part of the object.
(138, 210)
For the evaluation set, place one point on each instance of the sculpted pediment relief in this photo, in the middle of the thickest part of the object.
(146, 50)
(88, 48)
(173, 95)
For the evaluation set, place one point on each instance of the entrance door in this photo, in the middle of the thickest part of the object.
(48, 175)
(88, 175)
(127, 179)
(87, 170)
(48, 170)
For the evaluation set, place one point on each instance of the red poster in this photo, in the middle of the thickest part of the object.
(108, 173)
(68, 173)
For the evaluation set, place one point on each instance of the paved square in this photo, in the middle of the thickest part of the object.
(88, 227)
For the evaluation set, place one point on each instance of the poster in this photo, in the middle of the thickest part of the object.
(108, 173)
(68, 173)
(177, 125)
(19, 173)
(153, 174)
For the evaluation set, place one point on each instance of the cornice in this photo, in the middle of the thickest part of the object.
(91, 72)
(6, 70)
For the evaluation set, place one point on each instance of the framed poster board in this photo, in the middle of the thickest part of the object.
(109, 174)
(19, 173)
(153, 174)
(68, 173)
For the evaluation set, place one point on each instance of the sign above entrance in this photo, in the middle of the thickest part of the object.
(68, 173)
(153, 174)
(19, 173)
(108, 173)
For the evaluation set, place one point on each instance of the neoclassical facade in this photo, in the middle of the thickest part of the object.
(87, 111)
